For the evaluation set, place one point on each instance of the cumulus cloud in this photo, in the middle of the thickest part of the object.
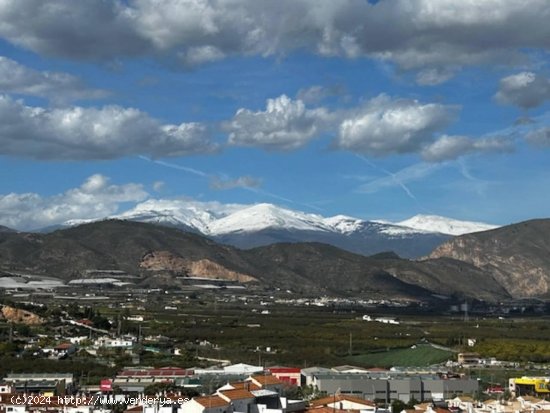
(452, 147)
(415, 34)
(231, 183)
(526, 90)
(386, 126)
(286, 124)
(91, 133)
(95, 198)
(69, 29)
(539, 137)
(16, 78)
(318, 93)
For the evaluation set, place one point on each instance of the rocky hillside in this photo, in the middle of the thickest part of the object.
(205, 268)
(517, 256)
(493, 265)
(18, 316)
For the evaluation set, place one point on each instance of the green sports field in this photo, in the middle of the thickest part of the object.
(421, 355)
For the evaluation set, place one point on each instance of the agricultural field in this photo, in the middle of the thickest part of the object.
(259, 330)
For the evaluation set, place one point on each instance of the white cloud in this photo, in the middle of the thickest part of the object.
(95, 198)
(386, 126)
(539, 137)
(434, 76)
(525, 89)
(197, 56)
(16, 78)
(317, 93)
(90, 133)
(415, 34)
(286, 124)
(246, 181)
(452, 147)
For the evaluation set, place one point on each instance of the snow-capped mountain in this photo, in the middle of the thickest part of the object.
(261, 216)
(173, 213)
(344, 224)
(248, 226)
(443, 225)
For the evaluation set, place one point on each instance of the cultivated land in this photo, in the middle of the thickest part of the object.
(241, 327)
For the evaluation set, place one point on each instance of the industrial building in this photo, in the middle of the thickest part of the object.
(392, 385)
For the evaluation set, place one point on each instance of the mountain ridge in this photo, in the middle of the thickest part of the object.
(262, 224)
(162, 254)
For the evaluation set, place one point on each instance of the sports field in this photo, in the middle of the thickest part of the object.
(419, 355)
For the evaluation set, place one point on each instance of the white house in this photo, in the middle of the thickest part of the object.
(108, 342)
(242, 369)
(465, 403)
(240, 399)
(77, 339)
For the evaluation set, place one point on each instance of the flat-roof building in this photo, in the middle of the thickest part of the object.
(393, 386)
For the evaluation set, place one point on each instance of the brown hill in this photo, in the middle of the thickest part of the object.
(517, 256)
(153, 251)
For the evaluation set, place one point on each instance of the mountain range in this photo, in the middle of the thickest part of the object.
(508, 262)
(250, 226)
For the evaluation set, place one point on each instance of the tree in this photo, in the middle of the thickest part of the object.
(292, 392)
(397, 406)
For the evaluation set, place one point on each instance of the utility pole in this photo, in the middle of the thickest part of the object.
(350, 344)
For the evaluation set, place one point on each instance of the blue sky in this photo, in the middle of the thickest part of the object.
(379, 110)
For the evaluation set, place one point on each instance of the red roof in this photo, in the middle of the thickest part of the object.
(237, 394)
(85, 321)
(324, 409)
(211, 401)
(284, 370)
(64, 346)
(245, 385)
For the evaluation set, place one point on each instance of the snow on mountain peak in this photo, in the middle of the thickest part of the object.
(443, 225)
(344, 224)
(181, 213)
(214, 218)
(261, 216)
